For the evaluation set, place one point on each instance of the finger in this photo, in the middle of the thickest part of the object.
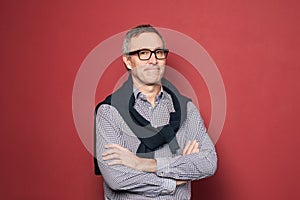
(107, 146)
(195, 147)
(191, 147)
(115, 162)
(111, 156)
(186, 148)
(110, 151)
(115, 146)
(188, 151)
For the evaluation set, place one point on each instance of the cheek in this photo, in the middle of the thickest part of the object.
(162, 65)
(136, 70)
(137, 63)
(162, 62)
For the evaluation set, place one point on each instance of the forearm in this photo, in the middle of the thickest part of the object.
(126, 179)
(189, 167)
(147, 165)
(197, 165)
(119, 177)
(123, 178)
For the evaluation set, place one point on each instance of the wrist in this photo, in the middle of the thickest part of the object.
(147, 165)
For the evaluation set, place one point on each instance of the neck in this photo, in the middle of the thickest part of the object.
(151, 91)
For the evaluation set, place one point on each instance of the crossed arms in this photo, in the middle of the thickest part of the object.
(123, 170)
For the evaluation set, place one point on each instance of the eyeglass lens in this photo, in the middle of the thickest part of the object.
(146, 54)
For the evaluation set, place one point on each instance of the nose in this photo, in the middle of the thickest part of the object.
(152, 59)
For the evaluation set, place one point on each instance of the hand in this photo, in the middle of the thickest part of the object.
(191, 147)
(180, 182)
(118, 155)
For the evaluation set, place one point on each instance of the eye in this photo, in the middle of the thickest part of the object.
(144, 52)
(159, 52)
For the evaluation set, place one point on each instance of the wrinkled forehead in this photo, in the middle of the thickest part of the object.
(146, 41)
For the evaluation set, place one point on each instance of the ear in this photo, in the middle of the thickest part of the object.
(127, 62)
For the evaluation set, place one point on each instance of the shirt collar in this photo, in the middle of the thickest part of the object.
(139, 95)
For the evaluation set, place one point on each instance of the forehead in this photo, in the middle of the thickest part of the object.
(147, 41)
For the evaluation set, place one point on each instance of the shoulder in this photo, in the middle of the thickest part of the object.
(191, 106)
(193, 111)
(106, 111)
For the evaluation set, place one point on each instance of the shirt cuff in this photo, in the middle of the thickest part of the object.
(162, 166)
(169, 186)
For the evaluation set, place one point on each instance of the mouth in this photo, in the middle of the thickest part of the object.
(152, 68)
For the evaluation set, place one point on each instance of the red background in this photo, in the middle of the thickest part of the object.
(255, 45)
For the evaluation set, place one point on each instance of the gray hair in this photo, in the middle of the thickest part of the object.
(136, 31)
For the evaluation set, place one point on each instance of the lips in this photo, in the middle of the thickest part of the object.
(152, 68)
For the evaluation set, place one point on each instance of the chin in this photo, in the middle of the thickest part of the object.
(152, 82)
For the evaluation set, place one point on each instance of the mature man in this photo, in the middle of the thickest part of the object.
(150, 140)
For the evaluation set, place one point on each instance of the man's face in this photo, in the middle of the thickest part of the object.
(145, 72)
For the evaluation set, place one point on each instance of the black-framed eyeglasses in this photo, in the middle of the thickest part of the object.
(145, 54)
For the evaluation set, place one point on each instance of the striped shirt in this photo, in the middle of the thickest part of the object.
(124, 183)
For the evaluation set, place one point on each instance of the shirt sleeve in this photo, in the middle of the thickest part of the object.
(119, 177)
(193, 166)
